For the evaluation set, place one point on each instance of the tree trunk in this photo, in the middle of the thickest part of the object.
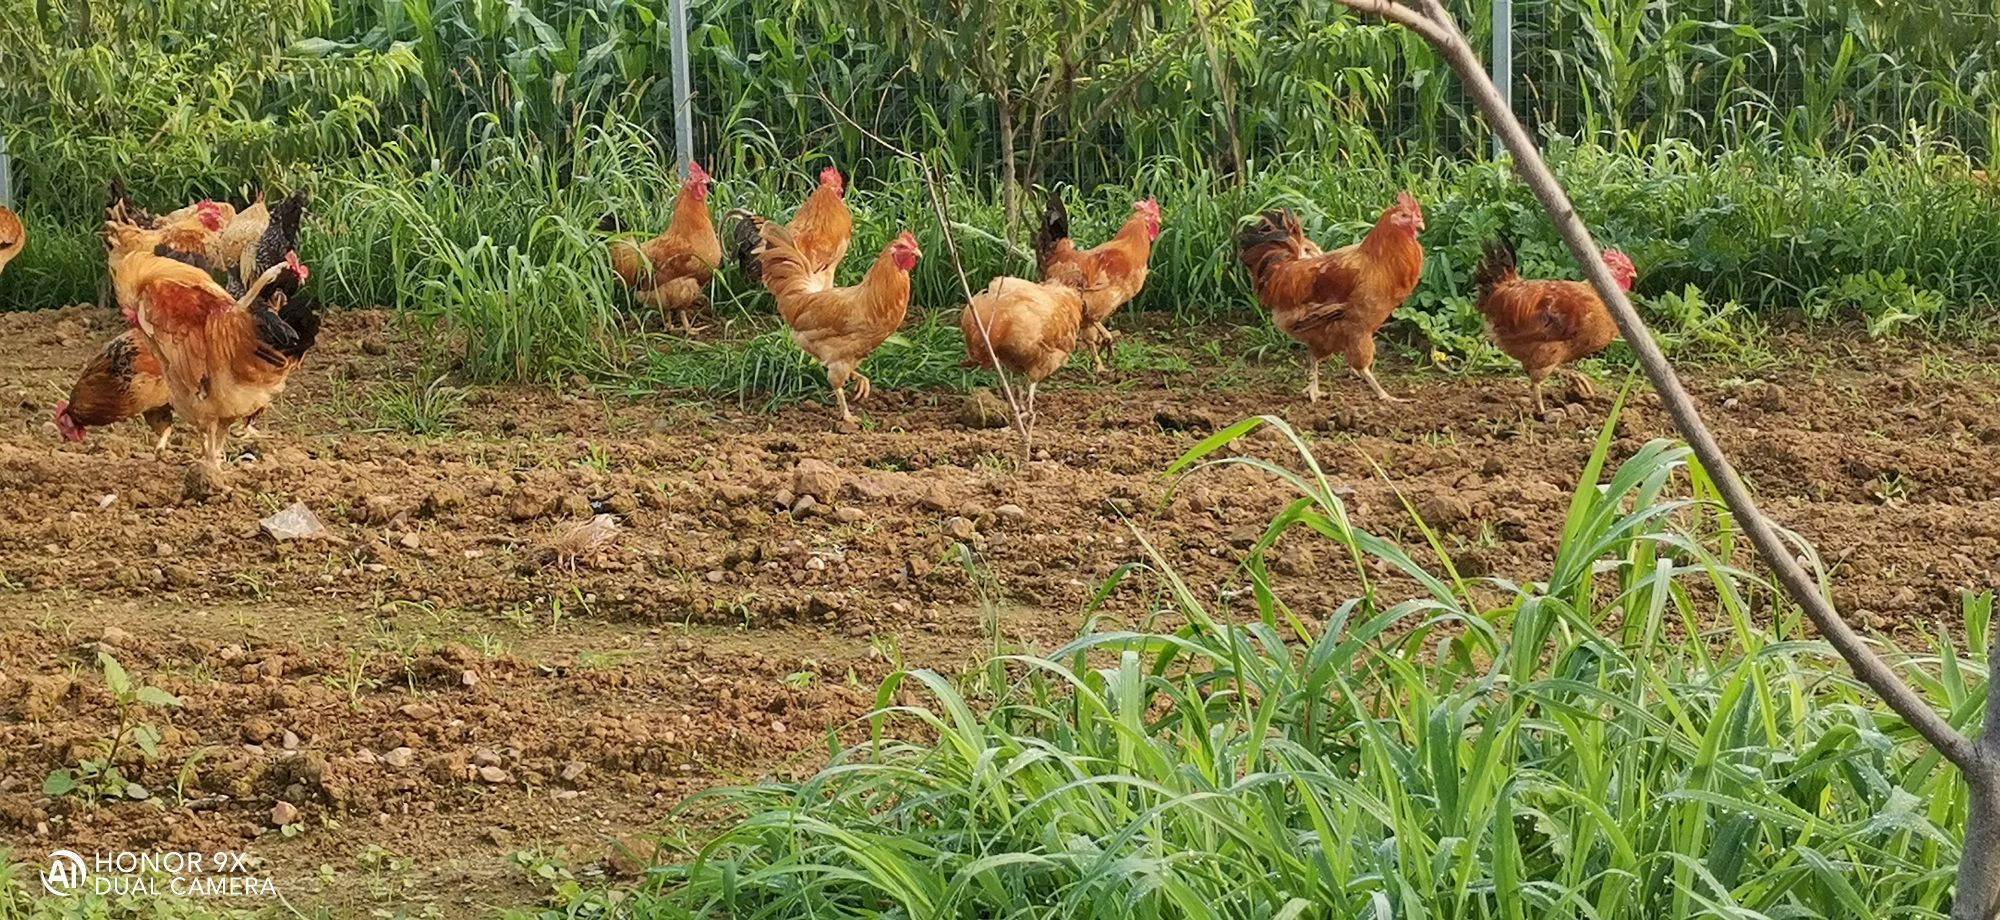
(1978, 894)
(1226, 91)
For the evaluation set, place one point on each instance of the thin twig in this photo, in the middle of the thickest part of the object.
(938, 207)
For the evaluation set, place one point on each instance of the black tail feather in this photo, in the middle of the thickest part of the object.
(302, 314)
(1498, 264)
(744, 241)
(1054, 229)
(1255, 241)
(610, 223)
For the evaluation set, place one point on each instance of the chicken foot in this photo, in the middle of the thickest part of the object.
(1361, 359)
(1101, 341)
(1580, 380)
(1376, 385)
(837, 377)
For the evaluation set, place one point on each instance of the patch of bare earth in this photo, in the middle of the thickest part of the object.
(448, 681)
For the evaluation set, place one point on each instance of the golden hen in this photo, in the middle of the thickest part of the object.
(671, 271)
(838, 326)
(1334, 301)
(1026, 327)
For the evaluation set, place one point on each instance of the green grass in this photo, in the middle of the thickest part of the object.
(1645, 732)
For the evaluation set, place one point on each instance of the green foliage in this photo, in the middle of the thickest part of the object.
(1647, 732)
(461, 151)
(103, 776)
(1887, 302)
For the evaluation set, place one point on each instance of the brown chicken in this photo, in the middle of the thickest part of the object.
(235, 244)
(192, 233)
(222, 358)
(671, 271)
(1546, 324)
(1333, 302)
(1032, 329)
(823, 228)
(838, 326)
(123, 379)
(1109, 276)
(13, 237)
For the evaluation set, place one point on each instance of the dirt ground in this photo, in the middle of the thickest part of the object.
(451, 701)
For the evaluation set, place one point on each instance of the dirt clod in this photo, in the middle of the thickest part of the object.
(981, 408)
(818, 479)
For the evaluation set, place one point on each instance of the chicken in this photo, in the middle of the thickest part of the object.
(123, 378)
(236, 241)
(13, 237)
(1109, 276)
(222, 359)
(1334, 301)
(190, 234)
(838, 326)
(1546, 324)
(1028, 328)
(671, 271)
(823, 228)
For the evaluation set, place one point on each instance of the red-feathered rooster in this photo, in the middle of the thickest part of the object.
(1546, 324)
(222, 359)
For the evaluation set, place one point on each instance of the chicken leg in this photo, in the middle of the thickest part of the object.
(861, 386)
(1361, 359)
(161, 420)
(1376, 385)
(1312, 379)
(1100, 346)
(836, 377)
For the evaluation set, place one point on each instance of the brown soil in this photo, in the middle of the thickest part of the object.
(721, 634)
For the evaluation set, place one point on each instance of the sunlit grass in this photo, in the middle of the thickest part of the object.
(1646, 731)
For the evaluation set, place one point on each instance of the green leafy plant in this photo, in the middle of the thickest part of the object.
(1644, 730)
(1887, 302)
(103, 776)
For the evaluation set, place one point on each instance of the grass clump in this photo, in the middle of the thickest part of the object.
(1645, 733)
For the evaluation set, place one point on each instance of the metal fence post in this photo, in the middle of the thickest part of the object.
(1503, 62)
(6, 176)
(683, 93)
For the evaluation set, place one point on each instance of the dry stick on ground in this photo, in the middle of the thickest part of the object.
(1978, 895)
(1022, 423)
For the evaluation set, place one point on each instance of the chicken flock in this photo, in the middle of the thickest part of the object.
(1332, 302)
(218, 319)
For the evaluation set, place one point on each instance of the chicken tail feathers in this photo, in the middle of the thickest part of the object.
(1496, 267)
(302, 315)
(1265, 241)
(611, 223)
(1054, 229)
(745, 240)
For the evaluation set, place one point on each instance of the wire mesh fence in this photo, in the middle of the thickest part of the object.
(1077, 91)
